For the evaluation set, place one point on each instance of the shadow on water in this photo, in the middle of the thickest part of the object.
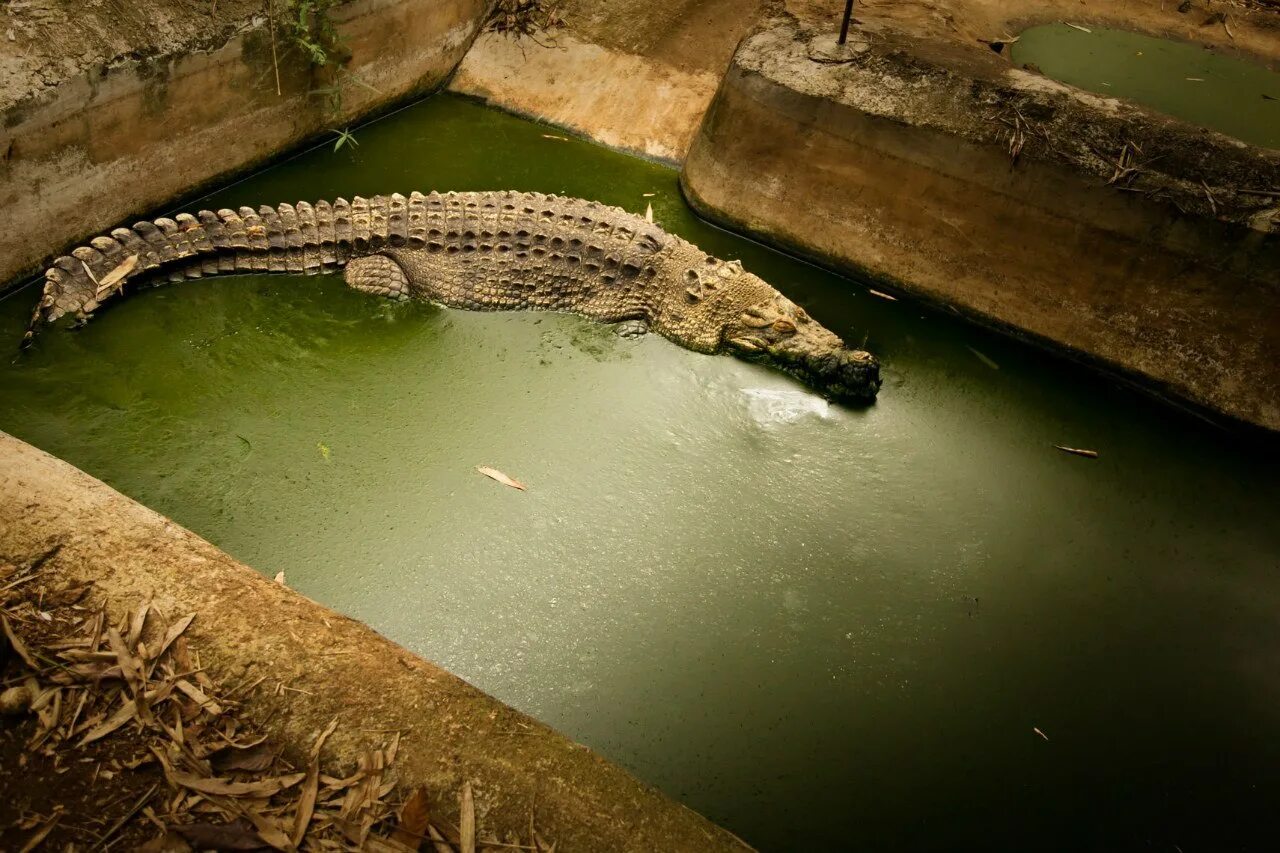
(819, 626)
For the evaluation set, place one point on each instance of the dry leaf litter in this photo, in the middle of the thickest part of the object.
(112, 736)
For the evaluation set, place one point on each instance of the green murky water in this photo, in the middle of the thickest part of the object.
(819, 626)
(1187, 81)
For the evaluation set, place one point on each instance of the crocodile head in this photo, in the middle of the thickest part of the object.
(781, 334)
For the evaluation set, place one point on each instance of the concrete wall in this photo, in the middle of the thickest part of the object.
(128, 135)
(870, 169)
(249, 628)
(635, 75)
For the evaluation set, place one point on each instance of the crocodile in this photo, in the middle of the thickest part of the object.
(488, 251)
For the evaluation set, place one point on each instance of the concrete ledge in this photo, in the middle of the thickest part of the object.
(146, 103)
(898, 168)
(248, 626)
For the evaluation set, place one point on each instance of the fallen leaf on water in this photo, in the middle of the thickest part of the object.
(983, 358)
(116, 277)
(1078, 27)
(411, 825)
(1042, 734)
(280, 579)
(882, 295)
(324, 450)
(553, 136)
(1078, 451)
(648, 213)
(1195, 79)
(495, 474)
(648, 195)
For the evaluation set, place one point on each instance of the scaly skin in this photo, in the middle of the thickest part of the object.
(488, 251)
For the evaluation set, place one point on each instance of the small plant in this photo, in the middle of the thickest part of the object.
(345, 137)
(310, 29)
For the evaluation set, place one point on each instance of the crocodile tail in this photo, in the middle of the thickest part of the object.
(302, 239)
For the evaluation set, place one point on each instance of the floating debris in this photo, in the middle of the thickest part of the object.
(1078, 27)
(113, 280)
(555, 137)
(882, 295)
(1077, 451)
(983, 358)
(648, 213)
(495, 474)
(1037, 731)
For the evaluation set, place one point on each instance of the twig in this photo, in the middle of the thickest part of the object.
(1213, 205)
(137, 807)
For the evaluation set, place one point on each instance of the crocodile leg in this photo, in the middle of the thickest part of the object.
(631, 329)
(379, 275)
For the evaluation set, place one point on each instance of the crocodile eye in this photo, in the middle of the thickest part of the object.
(785, 327)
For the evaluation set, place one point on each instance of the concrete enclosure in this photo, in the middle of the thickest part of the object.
(892, 167)
(87, 144)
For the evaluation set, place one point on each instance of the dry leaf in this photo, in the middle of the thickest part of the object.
(228, 836)
(1078, 27)
(467, 821)
(255, 759)
(438, 841)
(111, 280)
(1088, 454)
(20, 647)
(138, 622)
(198, 696)
(324, 736)
(175, 631)
(495, 474)
(280, 579)
(411, 823)
(307, 803)
(553, 136)
(1042, 734)
(882, 295)
(34, 841)
(648, 213)
(124, 714)
(223, 787)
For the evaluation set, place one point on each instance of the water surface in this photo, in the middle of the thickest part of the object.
(1187, 81)
(822, 627)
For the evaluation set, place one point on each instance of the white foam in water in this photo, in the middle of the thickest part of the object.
(769, 406)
